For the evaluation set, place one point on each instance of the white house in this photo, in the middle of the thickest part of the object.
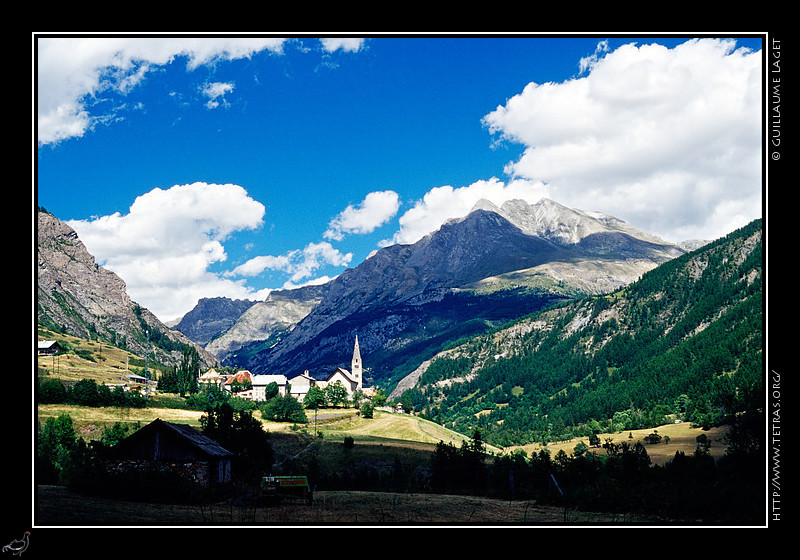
(299, 385)
(47, 347)
(211, 376)
(260, 383)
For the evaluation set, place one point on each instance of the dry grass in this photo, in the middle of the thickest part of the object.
(108, 364)
(90, 421)
(384, 425)
(682, 437)
(60, 507)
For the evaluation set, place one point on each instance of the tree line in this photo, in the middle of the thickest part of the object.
(619, 478)
(86, 392)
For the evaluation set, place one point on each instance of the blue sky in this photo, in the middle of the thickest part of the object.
(229, 166)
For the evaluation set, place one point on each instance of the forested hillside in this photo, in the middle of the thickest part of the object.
(685, 340)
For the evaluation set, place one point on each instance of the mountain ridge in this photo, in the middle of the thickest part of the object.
(378, 298)
(686, 338)
(78, 296)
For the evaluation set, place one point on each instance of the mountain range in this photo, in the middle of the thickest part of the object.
(685, 340)
(406, 302)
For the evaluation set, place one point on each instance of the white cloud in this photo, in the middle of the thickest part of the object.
(443, 203)
(74, 71)
(376, 209)
(347, 44)
(299, 264)
(257, 265)
(214, 91)
(666, 139)
(316, 255)
(315, 282)
(166, 243)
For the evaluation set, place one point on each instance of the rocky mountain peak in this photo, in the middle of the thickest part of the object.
(512, 248)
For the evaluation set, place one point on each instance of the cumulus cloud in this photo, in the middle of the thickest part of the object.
(666, 139)
(299, 264)
(376, 209)
(163, 247)
(74, 72)
(444, 203)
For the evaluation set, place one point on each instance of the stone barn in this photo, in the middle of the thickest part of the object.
(176, 448)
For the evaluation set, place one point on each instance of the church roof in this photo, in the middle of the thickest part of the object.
(341, 371)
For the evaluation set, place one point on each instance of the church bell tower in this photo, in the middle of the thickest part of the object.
(355, 366)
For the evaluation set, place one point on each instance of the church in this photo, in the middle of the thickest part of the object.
(352, 380)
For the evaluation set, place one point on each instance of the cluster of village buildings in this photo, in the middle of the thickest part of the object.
(297, 386)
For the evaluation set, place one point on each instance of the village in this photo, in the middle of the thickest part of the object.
(243, 384)
(247, 386)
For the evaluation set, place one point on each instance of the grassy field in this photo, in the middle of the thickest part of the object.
(89, 421)
(384, 428)
(682, 437)
(89, 359)
(383, 440)
(60, 507)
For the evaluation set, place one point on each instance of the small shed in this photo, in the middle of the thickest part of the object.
(48, 348)
(175, 447)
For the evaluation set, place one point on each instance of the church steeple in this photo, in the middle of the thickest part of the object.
(355, 366)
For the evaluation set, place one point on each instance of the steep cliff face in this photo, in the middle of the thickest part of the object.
(80, 297)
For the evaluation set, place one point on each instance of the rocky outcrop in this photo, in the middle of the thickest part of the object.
(267, 320)
(211, 317)
(78, 296)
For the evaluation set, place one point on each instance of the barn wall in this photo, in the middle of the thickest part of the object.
(193, 471)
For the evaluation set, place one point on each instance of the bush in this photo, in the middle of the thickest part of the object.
(51, 391)
(85, 393)
(284, 408)
(655, 437)
(367, 410)
(55, 442)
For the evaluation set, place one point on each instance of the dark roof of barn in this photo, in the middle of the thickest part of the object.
(197, 439)
(190, 435)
